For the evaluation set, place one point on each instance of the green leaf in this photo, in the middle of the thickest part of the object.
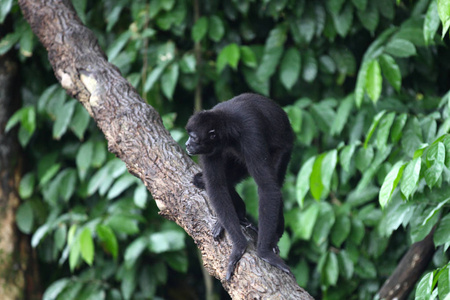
(295, 116)
(290, 68)
(357, 231)
(140, 196)
(425, 287)
(248, 57)
(360, 4)
(442, 233)
(256, 83)
(123, 224)
(444, 283)
(373, 126)
(216, 29)
(39, 234)
(154, 76)
(303, 29)
(435, 158)
(365, 268)
(28, 121)
(74, 254)
(431, 23)
(84, 158)
(229, 55)
(188, 63)
(327, 64)
(369, 17)
(169, 80)
(26, 42)
(340, 230)
(5, 7)
(364, 158)
(390, 183)
(9, 41)
(335, 6)
(269, 62)
(177, 261)
(170, 240)
(310, 68)
(411, 177)
(134, 250)
(108, 239)
(342, 114)
(391, 71)
(343, 21)
(25, 217)
(328, 166)
(443, 7)
(67, 184)
(15, 119)
(52, 292)
(303, 179)
(124, 182)
(397, 128)
(60, 236)
(199, 29)
(361, 83)
(118, 44)
(87, 246)
(307, 221)
(80, 121)
(315, 181)
(374, 80)
(400, 48)
(99, 155)
(63, 118)
(330, 272)
(384, 130)
(324, 223)
(346, 266)
(26, 186)
(345, 156)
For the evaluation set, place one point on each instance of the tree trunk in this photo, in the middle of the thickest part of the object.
(18, 272)
(411, 267)
(135, 133)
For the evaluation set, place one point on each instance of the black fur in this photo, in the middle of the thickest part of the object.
(247, 135)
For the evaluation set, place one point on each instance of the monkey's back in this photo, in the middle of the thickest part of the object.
(253, 112)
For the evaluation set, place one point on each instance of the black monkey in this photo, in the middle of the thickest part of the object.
(247, 135)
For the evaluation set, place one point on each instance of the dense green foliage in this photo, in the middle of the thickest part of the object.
(364, 83)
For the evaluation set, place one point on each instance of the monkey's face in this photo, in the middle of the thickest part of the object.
(201, 142)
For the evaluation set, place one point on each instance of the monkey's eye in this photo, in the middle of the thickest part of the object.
(212, 134)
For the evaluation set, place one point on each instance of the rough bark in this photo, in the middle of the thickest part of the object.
(408, 271)
(135, 133)
(18, 277)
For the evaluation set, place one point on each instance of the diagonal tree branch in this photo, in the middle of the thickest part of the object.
(135, 133)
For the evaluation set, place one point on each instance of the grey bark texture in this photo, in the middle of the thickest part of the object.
(135, 133)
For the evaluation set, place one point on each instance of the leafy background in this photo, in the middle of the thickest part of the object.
(365, 84)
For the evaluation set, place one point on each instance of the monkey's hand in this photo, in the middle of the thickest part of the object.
(218, 231)
(198, 181)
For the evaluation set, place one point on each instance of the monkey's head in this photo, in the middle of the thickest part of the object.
(203, 129)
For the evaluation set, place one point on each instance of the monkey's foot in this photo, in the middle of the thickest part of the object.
(273, 259)
(235, 256)
(198, 181)
(218, 231)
